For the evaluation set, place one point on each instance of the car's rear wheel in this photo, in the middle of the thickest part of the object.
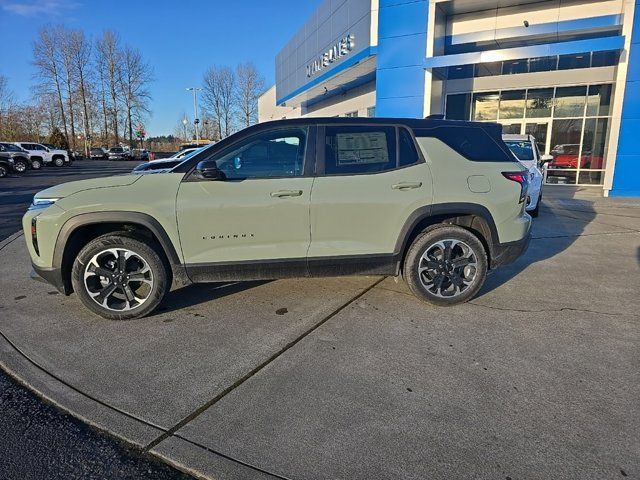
(20, 166)
(536, 211)
(120, 277)
(445, 265)
(36, 164)
(58, 161)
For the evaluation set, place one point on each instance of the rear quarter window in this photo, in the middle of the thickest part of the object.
(472, 142)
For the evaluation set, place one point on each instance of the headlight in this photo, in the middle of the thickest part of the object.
(10, 160)
(39, 203)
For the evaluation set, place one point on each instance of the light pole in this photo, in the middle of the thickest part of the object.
(196, 120)
(184, 123)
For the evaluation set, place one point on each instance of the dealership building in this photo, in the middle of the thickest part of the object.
(567, 72)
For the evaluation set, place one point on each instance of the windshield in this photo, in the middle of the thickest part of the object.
(522, 149)
(11, 148)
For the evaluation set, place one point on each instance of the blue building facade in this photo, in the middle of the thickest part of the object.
(567, 72)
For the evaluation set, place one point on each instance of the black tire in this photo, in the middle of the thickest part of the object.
(36, 164)
(58, 161)
(142, 251)
(3, 171)
(536, 211)
(442, 281)
(20, 166)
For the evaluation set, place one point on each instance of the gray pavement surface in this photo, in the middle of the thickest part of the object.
(536, 378)
(37, 440)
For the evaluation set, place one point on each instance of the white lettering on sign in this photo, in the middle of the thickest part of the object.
(337, 51)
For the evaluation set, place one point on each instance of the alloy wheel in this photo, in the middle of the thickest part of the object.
(20, 167)
(118, 279)
(447, 268)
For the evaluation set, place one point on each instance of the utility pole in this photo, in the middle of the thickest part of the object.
(196, 120)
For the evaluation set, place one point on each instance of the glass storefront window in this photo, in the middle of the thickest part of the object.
(458, 106)
(565, 143)
(570, 101)
(488, 69)
(567, 62)
(599, 100)
(594, 143)
(542, 64)
(460, 71)
(570, 123)
(512, 67)
(591, 177)
(512, 104)
(485, 106)
(561, 177)
(539, 102)
(605, 59)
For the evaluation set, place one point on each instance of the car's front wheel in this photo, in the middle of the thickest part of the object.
(3, 171)
(36, 164)
(445, 265)
(58, 161)
(120, 277)
(20, 166)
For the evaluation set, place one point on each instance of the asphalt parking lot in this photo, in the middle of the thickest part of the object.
(16, 191)
(538, 377)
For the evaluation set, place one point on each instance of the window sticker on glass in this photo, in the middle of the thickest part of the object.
(362, 148)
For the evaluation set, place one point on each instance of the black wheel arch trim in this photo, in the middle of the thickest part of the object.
(456, 209)
(93, 218)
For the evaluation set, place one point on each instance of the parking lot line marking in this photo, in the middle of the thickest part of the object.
(257, 369)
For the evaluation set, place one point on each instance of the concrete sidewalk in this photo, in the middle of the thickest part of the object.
(538, 377)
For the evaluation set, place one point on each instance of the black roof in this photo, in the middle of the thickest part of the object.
(409, 122)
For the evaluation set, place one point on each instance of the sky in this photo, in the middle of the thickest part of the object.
(180, 39)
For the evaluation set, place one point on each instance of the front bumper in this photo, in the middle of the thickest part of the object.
(52, 276)
(506, 253)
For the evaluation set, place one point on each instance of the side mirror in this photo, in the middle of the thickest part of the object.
(208, 169)
(544, 159)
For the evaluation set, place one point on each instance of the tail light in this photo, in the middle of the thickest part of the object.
(522, 179)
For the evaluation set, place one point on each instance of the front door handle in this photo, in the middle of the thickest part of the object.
(406, 185)
(286, 193)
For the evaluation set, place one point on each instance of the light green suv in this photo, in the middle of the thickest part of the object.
(438, 202)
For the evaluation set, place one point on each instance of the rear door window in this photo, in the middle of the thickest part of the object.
(353, 150)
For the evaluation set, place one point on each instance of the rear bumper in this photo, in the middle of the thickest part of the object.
(52, 276)
(506, 253)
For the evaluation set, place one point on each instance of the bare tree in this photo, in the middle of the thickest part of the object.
(6, 102)
(249, 86)
(46, 58)
(219, 99)
(66, 54)
(109, 54)
(79, 51)
(135, 76)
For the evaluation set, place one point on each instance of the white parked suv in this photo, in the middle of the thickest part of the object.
(46, 155)
(525, 148)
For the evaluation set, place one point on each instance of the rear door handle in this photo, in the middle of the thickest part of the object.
(406, 185)
(286, 193)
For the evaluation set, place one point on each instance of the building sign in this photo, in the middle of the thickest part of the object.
(339, 50)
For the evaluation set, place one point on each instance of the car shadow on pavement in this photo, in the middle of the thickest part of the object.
(562, 221)
(195, 294)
